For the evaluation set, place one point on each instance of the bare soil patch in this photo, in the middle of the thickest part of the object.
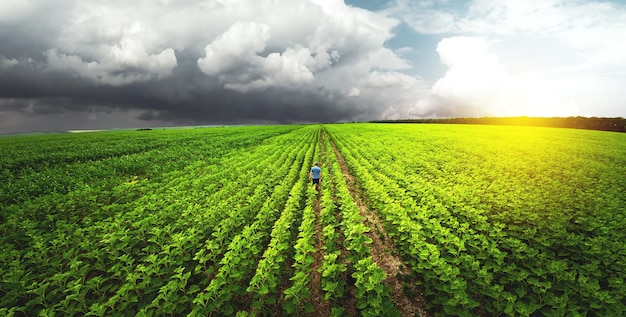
(383, 251)
(322, 307)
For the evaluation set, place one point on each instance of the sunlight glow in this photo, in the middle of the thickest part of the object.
(476, 77)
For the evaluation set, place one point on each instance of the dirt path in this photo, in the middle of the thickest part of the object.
(322, 307)
(348, 302)
(383, 252)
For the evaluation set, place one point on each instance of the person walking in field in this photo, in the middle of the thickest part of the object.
(315, 175)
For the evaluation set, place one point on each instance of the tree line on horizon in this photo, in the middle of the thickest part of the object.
(590, 123)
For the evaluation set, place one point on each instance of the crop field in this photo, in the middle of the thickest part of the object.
(410, 220)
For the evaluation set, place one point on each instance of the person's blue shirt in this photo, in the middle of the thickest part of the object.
(315, 171)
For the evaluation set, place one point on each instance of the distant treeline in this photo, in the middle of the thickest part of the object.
(593, 123)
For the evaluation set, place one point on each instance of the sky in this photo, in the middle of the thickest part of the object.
(100, 64)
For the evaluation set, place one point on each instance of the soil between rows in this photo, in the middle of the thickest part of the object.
(321, 306)
(382, 249)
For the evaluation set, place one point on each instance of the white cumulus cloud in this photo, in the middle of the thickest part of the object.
(235, 58)
(333, 47)
(126, 64)
(477, 84)
(537, 57)
(8, 62)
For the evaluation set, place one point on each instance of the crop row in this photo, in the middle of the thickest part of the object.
(268, 277)
(491, 221)
(297, 295)
(237, 265)
(333, 279)
(215, 237)
(372, 296)
(409, 236)
(137, 255)
(31, 167)
(470, 255)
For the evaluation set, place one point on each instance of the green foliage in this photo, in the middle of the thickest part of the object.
(593, 123)
(123, 245)
(372, 296)
(502, 221)
(518, 221)
(296, 296)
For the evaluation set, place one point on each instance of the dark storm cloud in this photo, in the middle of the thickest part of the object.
(116, 63)
(29, 28)
(87, 62)
(186, 97)
(272, 105)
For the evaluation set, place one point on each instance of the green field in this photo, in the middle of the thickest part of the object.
(411, 220)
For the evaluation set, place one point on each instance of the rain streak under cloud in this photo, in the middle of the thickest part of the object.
(105, 64)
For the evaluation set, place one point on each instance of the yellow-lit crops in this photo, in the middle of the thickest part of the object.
(221, 221)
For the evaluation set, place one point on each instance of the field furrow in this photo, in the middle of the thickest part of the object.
(428, 220)
(478, 251)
